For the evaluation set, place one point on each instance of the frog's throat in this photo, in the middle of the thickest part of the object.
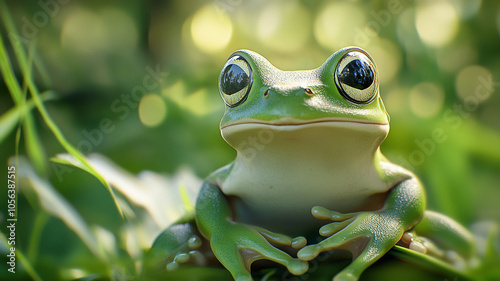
(298, 122)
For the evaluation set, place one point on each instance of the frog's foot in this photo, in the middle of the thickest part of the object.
(421, 244)
(367, 235)
(237, 246)
(180, 243)
(188, 254)
(440, 236)
(425, 245)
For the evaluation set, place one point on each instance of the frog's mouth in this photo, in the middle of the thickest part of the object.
(321, 132)
(291, 123)
(305, 140)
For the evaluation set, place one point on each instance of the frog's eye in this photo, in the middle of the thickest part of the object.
(355, 77)
(235, 81)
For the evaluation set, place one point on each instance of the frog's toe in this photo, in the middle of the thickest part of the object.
(198, 258)
(172, 266)
(298, 267)
(194, 242)
(193, 256)
(269, 252)
(346, 238)
(321, 213)
(325, 214)
(280, 239)
(299, 242)
(334, 227)
(179, 258)
(309, 252)
(418, 247)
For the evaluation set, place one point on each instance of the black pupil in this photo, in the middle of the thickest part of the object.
(357, 74)
(233, 79)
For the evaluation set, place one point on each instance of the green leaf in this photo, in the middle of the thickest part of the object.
(81, 162)
(56, 205)
(165, 199)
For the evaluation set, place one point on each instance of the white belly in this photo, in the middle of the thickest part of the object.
(277, 185)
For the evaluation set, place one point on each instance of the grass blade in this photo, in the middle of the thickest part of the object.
(10, 119)
(41, 219)
(33, 144)
(428, 262)
(16, 92)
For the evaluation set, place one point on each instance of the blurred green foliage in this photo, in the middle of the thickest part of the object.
(137, 82)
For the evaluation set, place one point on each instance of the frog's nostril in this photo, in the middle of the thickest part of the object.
(308, 91)
(266, 93)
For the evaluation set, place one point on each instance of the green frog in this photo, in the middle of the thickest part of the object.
(309, 165)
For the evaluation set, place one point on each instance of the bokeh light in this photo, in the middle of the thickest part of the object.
(426, 99)
(91, 33)
(474, 81)
(84, 32)
(211, 29)
(152, 110)
(387, 57)
(198, 103)
(407, 33)
(455, 57)
(396, 100)
(498, 21)
(74, 273)
(338, 25)
(466, 8)
(436, 22)
(284, 26)
(122, 33)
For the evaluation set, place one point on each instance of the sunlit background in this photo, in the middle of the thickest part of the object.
(137, 83)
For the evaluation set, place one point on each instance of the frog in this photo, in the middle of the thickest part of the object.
(309, 176)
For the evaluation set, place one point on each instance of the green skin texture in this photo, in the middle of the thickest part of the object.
(368, 233)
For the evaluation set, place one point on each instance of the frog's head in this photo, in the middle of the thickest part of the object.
(343, 92)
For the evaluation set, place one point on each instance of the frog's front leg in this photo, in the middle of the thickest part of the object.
(237, 245)
(369, 235)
